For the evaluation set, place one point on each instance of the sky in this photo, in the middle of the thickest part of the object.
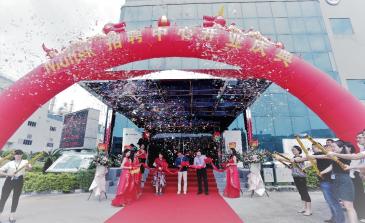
(26, 24)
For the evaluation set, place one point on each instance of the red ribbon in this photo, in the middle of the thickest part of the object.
(186, 164)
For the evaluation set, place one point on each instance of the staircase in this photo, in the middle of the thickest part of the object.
(216, 181)
(171, 182)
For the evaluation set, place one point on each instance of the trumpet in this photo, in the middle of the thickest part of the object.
(294, 164)
(314, 164)
(285, 164)
(31, 162)
(324, 151)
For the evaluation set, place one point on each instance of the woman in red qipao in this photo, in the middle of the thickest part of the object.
(233, 187)
(159, 180)
(137, 175)
(127, 189)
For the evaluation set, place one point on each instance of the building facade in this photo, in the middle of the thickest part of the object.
(344, 22)
(306, 29)
(40, 132)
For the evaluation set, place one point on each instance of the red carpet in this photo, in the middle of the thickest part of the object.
(171, 207)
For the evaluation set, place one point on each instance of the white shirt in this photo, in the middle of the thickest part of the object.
(12, 166)
(356, 163)
(199, 161)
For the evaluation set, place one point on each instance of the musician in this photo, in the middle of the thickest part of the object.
(355, 170)
(344, 187)
(300, 181)
(14, 172)
(326, 185)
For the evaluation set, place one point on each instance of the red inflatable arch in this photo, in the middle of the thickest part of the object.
(254, 54)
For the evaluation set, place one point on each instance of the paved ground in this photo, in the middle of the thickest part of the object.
(279, 207)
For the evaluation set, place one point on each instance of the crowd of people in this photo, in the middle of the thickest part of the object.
(134, 163)
(340, 171)
(340, 175)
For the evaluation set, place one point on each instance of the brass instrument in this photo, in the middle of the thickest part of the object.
(312, 161)
(294, 164)
(31, 162)
(285, 164)
(324, 151)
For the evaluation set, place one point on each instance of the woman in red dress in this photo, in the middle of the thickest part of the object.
(137, 175)
(233, 187)
(127, 189)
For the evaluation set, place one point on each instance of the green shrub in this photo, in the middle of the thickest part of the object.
(37, 167)
(39, 182)
(85, 178)
(312, 179)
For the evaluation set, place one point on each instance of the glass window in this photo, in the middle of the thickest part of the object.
(310, 8)
(267, 26)
(174, 12)
(279, 105)
(263, 125)
(283, 126)
(156, 64)
(27, 142)
(301, 43)
(334, 76)
(130, 14)
(189, 22)
(307, 57)
(251, 24)
(140, 65)
(317, 123)
(145, 13)
(204, 9)
(288, 42)
(190, 63)
(341, 26)
(300, 124)
(216, 7)
(249, 10)
(158, 11)
(234, 10)
(314, 25)
(296, 107)
(271, 37)
(357, 88)
(263, 9)
(293, 9)
(278, 9)
(262, 107)
(137, 25)
(275, 89)
(189, 11)
(32, 124)
(282, 26)
(317, 42)
(173, 63)
(297, 25)
(322, 61)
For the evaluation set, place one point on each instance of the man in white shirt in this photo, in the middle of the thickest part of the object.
(14, 172)
(201, 172)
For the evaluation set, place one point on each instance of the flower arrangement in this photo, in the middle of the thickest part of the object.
(102, 160)
(255, 156)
